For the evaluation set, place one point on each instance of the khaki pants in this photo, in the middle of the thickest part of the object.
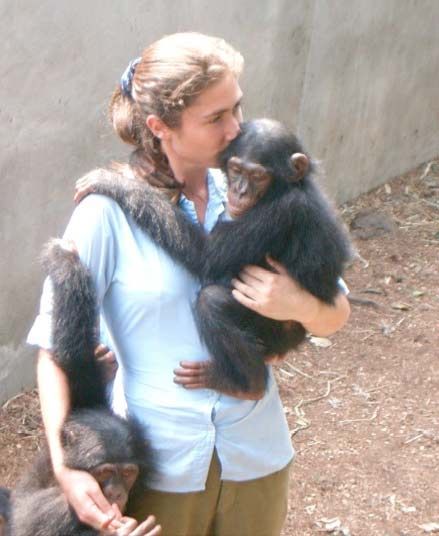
(225, 508)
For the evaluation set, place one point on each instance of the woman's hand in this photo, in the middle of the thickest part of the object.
(193, 375)
(278, 296)
(128, 526)
(86, 498)
(107, 361)
(274, 294)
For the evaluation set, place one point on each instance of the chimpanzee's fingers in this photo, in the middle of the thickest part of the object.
(195, 365)
(83, 187)
(101, 350)
(202, 385)
(190, 373)
(189, 380)
(109, 359)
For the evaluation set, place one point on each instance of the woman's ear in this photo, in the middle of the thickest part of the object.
(157, 127)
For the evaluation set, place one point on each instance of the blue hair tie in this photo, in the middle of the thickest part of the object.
(126, 80)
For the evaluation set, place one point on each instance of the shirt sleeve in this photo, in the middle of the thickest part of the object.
(342, 286)
(91, 229)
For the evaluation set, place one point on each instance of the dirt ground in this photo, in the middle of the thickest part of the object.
(363, 405)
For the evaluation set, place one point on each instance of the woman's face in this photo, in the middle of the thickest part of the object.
(207, 126)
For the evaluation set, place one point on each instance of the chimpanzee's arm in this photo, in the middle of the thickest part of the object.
(165, 223)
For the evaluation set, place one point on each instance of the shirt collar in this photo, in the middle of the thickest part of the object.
(217, 189)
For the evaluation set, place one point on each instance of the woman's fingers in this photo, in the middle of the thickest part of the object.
(245, 289)
(280, 268)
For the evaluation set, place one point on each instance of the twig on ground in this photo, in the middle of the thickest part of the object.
(298, 371)
(414, 438)
(283, 371)
(367, 419)
(13, 399)
(301, 420)
(355, 300)
(426, 171)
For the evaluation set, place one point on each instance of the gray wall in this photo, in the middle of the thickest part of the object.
(356, 78)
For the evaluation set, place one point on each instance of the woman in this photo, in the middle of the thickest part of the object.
(221, 458)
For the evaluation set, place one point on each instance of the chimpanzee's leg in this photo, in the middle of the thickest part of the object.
(230, 334)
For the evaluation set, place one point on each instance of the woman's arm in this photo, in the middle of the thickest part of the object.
(80, 488)
(278, 296)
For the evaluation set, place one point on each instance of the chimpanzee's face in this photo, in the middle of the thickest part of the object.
(247, 184)
(116, 481)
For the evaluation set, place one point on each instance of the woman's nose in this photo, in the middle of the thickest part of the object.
(233, 128)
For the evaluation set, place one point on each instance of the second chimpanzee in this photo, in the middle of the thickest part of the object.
(114, 451)
(276, 209)
(111, 449)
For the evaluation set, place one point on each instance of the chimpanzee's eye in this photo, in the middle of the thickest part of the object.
(234, 168)
(129, 471)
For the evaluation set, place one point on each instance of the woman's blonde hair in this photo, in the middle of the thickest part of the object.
(168, 77)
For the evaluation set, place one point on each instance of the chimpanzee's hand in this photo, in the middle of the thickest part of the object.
(86, 498)
(193, 375)
(107, 361)
(84, 186)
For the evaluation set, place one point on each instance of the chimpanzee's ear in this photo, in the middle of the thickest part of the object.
(300, 163)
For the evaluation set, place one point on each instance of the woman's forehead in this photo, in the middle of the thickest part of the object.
(222, 96)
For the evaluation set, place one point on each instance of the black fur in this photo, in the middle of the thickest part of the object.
(295, 225)
(89, 438)
(165, 223)
(74, 329)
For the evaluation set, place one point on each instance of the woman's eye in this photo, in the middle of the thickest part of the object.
(237, 109)
(216, 119)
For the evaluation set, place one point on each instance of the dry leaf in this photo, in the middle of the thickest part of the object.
(310, 509)
(321, 342)
(408, 509)
(430, 527)
(400, 306)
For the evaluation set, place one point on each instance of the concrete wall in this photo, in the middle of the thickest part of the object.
(356, 78)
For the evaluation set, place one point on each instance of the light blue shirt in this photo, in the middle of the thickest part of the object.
(146, 302)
